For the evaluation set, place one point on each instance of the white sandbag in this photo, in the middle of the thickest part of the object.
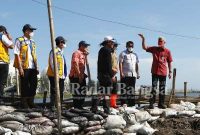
(39, 120)
(142, 116)
(190, 106)
(98, 132)
(12, 117)
(70, 130)
(13, 125)
(93, 123)
(114, 132)
(114, 121)
(114, 111)
(155, 111)
(7, 109)
(145, 130)
(177, 107)
(129, 118)
(169, 113)
(196, 116)
(133, 128)
(93, 128)
(20, 133)
(186, 113)
(65, 123)
(4, 130)
(34, 115)
(153, 118)
(2, 112)
(131, 110)
(129, 133)
(41, 130)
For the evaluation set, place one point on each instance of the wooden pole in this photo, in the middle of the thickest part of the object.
(185, 89)
(55, 67)
(172, 93)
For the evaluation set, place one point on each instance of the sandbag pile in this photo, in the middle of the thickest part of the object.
(122, 121)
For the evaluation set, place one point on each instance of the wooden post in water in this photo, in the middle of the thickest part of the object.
(172, 93)
(58, 104)
(185, 90)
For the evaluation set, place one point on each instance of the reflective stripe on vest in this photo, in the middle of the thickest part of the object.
(4, 54)
(60, 64)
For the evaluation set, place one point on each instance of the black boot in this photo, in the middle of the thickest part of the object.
(31, 102)
(161, 103)
(24, 103)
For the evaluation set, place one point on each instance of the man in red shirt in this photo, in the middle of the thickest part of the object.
(162, 59)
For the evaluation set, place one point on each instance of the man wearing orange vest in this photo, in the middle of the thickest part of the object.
(26, 63)
(5, 44)
(62, 70)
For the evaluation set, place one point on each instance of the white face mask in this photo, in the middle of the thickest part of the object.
(31, 34)
(130, 49)
(64, 45)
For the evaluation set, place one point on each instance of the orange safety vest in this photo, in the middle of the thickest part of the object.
(24, 54)
(4, 54)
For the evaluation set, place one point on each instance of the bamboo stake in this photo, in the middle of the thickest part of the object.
(55, 67)
(172, 93)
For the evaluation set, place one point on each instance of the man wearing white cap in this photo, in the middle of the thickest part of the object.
(162, 59)
(105, 75)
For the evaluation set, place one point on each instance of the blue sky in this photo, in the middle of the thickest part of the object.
(179, 17)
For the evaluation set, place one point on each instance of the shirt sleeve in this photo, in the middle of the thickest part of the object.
(17, 47)
(137, 59)
(151, 49)
(6, 41)
(169, 58)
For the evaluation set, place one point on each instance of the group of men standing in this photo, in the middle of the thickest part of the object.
(108, 65)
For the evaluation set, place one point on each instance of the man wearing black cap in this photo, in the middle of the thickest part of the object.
(5, 44)
(26, 63)
(77, 74)
(62, 70)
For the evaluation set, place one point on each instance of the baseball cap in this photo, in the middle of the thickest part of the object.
(83, 43)
(109, 38)
(2, 28)
(59, 39)
(28, 27)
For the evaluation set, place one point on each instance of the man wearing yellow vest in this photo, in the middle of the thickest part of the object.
(62, 70)
(5, 44)
(26, 63)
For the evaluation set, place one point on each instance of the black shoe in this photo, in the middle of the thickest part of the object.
(162, 106)
(151, 106)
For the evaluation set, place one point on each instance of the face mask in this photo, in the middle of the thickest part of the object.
(130, 49)
(64, 45)
(31, 34)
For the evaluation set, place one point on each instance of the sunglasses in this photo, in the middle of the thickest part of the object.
(63, 42)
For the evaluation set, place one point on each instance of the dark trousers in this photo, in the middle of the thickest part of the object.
(29, 83)
(162, 84)
(128, 93)
(3, 77)
(78, 93)
(53, 90)
(105, 82)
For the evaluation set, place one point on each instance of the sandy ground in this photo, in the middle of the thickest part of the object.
(177, 126)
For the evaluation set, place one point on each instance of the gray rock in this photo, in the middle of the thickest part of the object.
(78, 119)
(65, 123)
(96, 117)
(38, 129)
(34, 115)
(98, 132)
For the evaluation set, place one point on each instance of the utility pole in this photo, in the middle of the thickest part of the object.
(55, 67)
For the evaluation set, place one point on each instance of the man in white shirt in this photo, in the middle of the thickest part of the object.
(129, 71)
(26, 63)
(5, 44)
